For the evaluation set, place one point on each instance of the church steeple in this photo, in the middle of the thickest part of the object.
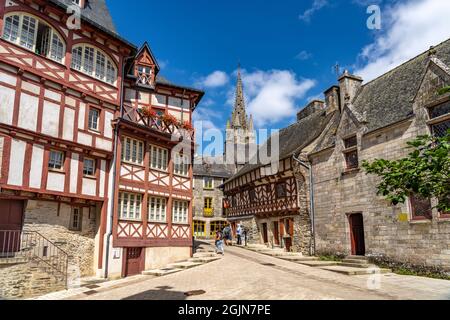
(239, 119)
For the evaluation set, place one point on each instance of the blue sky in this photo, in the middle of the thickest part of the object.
(287, 48)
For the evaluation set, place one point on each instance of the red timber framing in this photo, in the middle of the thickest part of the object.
(255, 194)
(71, 93)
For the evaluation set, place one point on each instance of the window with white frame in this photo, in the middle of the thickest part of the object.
(157, 209)
(208, 183)
(56, 160)
(93, 62)
(94, 116)
(130, 206)
(132, 151)
(181, 165)
(159, 158)
(35, 35)
(89, 167)
(180, 212)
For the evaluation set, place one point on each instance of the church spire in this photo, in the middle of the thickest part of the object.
(240, 115)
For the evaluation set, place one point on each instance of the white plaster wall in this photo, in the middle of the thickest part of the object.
(74, 161)
(81, 116)
(2, 141)
(37, 161)
(89, 187)
(50, 119)
(69, 122)
(55, 181)
(31, 87)
(84, 139)
(102, 178)
(16, 162)
(103, 144)
(4, 77)
(109, 116)
(115, 262)
(160, 257)
(7, 97)
(28, 112)
(52, 95)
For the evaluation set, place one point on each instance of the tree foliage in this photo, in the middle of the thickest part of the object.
(444, 90)
(425, 172)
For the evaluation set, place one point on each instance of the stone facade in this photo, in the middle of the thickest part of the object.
(390, 232)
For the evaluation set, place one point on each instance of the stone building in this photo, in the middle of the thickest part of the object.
(70, 98)
(377, 120)
(209, 211)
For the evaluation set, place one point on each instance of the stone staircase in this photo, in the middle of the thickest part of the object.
(356, 266)
(204, 254)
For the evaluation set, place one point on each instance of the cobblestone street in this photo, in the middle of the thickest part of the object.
(247, 275)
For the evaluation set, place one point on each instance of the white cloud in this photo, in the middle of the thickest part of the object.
(303, 55)
(215, 80)
(409, 28)
(316, 6)
(272, 95)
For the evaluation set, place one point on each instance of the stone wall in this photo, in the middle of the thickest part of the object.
(200, 194)
(253, 233)
(27, 280)
(45, 218)
(389, 231)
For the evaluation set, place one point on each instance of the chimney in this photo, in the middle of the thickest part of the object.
(332, 99)
(349, 86)
(310, 109)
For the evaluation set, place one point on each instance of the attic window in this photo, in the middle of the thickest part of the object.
(144, 74)
(351, 153)
(440, 119)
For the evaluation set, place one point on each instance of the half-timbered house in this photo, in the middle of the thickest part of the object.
(272, 202)
(154, 181)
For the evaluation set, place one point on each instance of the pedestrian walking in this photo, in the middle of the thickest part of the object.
(219, 243)
(228, 238)
(239, 235)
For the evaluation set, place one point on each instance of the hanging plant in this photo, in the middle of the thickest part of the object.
(187, 126)
(149, 112)
(170, 119)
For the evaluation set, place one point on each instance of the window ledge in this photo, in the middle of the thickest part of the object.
(351, 171)
(133, 164)
(130, 220)
(60, 171)
(424, 221)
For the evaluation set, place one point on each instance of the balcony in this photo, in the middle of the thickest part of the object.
(165, 124)
(208, 213)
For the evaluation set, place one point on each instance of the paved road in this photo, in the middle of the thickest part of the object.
(246, 275)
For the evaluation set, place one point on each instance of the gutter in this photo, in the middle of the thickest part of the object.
(312, 202)
(114, 175)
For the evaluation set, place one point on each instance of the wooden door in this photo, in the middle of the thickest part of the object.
(357, 234)
(265, 233)
(134, 263)
(276, 233)
(11, 223)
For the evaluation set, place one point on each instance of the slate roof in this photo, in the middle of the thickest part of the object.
(389, 98)
(96, 12)
(296, 137)
(210, 169)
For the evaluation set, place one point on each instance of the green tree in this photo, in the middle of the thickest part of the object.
(444, 90)
(425, 172)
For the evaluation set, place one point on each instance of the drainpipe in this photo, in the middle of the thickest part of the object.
(114, 185)
(312, 207)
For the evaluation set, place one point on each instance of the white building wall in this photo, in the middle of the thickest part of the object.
(37, 161)
(50, 119)
(28, 112)
(16, 162)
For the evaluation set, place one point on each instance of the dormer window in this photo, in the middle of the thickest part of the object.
(35, 35)
(144, 75)
(351, 153)
(440, 119)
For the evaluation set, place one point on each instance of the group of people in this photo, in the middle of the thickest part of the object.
(225, 238)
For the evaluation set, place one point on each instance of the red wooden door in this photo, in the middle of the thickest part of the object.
(134, 265)
(265, 234)
(276, 233)
(357, 234)
(11, 222)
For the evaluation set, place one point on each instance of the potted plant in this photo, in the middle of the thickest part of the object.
(187, 126)
(149, 112)
(169, 119)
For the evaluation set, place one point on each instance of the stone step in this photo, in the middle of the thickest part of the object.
(161, 272)
(205, 254)
(274, 253)
(184, 265)
(12, 261)
(357, 258)
(349, 271)
(356, 265)
(357, 261)
(318, 263)
(205, 250)
(298, 258)
(204, 259)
